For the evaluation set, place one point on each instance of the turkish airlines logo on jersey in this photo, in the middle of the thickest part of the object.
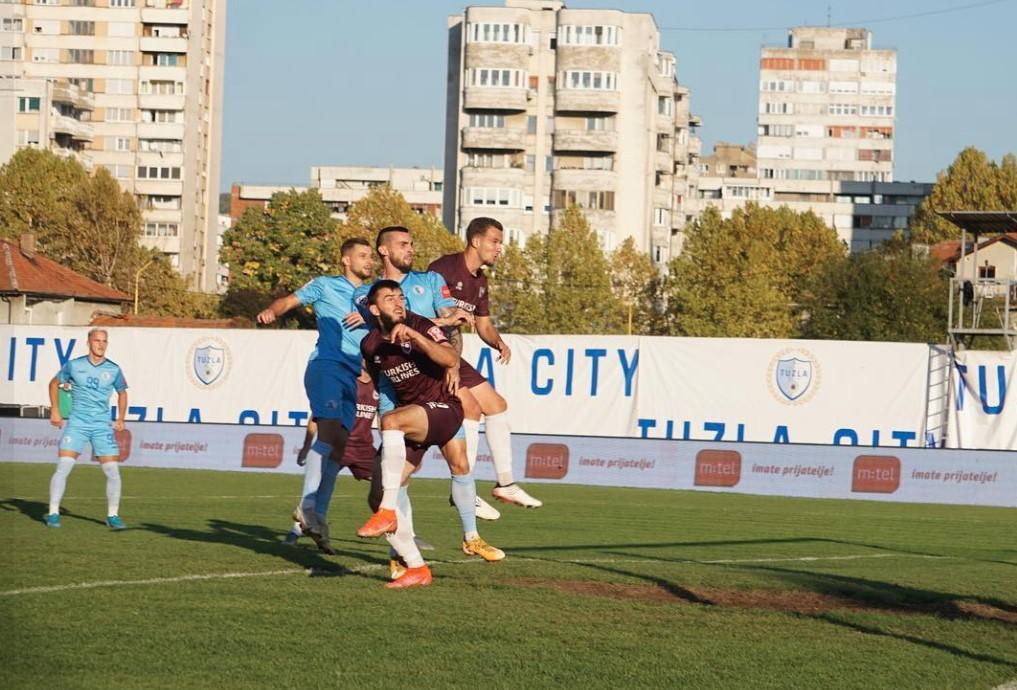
(263, 450)
(718, 468)
(875, 474)
(547, 461)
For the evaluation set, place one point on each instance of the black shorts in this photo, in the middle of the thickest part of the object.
(444, 420)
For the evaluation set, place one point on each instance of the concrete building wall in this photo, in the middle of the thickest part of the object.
(22, 310)
(155, 69)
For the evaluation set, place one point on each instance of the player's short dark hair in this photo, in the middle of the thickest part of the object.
(478, 226)
(349, 244)
(379, 285)
(390, 229)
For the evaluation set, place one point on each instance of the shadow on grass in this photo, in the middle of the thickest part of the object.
(36, 511)
(265, 541)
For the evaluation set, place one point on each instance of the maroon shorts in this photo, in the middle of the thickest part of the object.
(360, 466)
(468, 376)
(444, 420)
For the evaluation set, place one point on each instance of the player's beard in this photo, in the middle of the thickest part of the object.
(389, 322)
(403, 263)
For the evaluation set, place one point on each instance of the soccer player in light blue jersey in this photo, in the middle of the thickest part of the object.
(92, 379)
(330, 378)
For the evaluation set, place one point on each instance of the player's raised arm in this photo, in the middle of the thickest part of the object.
(489, 334)
(278, 308)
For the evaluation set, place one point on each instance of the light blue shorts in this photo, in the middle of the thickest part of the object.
(100, 434)
(332, 391)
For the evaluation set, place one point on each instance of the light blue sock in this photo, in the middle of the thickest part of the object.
(464, 495)
(329, 473)
(312, 478)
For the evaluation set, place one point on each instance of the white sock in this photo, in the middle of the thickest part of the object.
(472, 429)
(112, 472)
(296, 529)
(499, 439)
(402, 540)
(312, 478)
(393, 458)
(58, 483)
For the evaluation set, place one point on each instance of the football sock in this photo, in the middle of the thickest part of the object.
(499, 439)
(393, 458)
(464, 495)
(58, 483)
(312, 478)
(329, 475)
(471, 427)
(112, 472)
(402, 540)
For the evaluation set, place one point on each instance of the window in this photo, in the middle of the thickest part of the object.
(121, 3)
(163, 31)
(876, 155)
(663, 143)
(777, 85)
(879, 88)
(166, 59)
(589, 35)
(527, 203)
(87, 85)
(598, 163)
(161, 229)
(661, 216)
(119, 115)
(599, 123)
(83, 3)
(80, 28)
(531, 124)
(548, 163)
(162, 88)
(10, 53)
(498, 77)
(487, 120)
(487, 32)
(493, 196)
(811, 87)
(777, 130)
(45, 55)
(665, 105)
(843, 65)
(120, 86)
(151, 172)
(29, 104)
(809, 131)
(121, 172)
(161, 203)
(15, 24)
(812, 64)
(777, 63)
(162, 116)
(603, 201)
(842, 109)
(79, 56)
(877, 110)
(28, 137)
(583, 79)
(771, 108)
(47, 2)
(118, 143)
(843, 87)
(120, 57)
(488, 160)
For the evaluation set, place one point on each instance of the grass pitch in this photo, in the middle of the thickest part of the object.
(601, 588)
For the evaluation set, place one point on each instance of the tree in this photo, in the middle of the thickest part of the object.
(37, 195)
(163, 291)
(972, 182)
(516, 303)
(891, 294)
(383, 207)
(274, 251)
(637, 284)
(102, 237)
(742, 277)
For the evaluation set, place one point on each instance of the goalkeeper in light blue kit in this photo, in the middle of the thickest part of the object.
(92, 379)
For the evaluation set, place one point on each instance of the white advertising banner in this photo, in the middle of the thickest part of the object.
(783, 391)
(919, 475)
(983, 409)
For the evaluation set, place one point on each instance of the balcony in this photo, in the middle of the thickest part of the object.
(160, 102)
(163, 44)
(587, 101)
(76, 129)
(585, 141)
(511, 139)
(580, 179)
(162, 72)
(492, 98)
(664, 123)
(663, 161)
(598, 220)
(152, 15)
(71, 94)
(159, 187)
(492, 177)
(160, 130)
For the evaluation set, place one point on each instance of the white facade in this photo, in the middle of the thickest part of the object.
(551, 107)
(153, 69)
(46, 114)
(826, 108)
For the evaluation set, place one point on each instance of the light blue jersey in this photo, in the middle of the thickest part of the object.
(91, 388)
(332, 299)
(425, 292)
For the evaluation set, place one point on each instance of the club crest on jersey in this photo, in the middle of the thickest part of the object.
(418, 289)
(482, 291)
(106, 376)
(459, 285)
(406, 347)
(377, 359)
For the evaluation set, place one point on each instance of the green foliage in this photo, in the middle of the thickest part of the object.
(37, 194)
(888, 294)
(637, 285)
(972, 182)
(384, 206)
(516, 305)
(742, 277)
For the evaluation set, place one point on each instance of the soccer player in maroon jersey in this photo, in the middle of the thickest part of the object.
(464, 274)
(414, 355)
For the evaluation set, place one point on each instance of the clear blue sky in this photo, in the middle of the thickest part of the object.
(345, 82)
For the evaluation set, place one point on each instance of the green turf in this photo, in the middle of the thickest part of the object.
(533, 620)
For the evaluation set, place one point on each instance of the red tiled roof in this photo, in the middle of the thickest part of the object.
(33, 274)
(947, 251)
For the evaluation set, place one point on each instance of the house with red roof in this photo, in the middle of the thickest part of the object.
(38, 291)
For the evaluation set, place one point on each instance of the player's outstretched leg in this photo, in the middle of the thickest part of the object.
(499, 439)
(111, 469)
(416, 573)
(393, 459)
(483, 509)
(57, 486)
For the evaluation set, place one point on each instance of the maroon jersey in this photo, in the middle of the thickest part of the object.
(468, 290)
(360, 445)
(416, 378)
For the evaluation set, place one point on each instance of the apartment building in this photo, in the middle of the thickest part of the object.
(826, 108)
(549, 107)
(137, 88)
(342, 186)
(46, 114)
